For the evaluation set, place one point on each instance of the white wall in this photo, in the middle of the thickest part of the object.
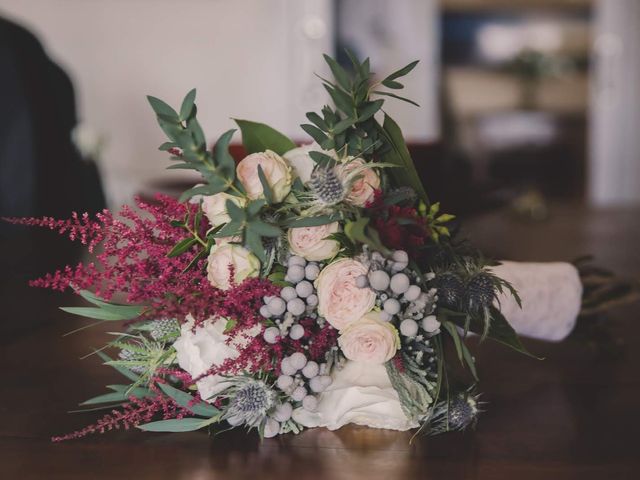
(250, 59)
(615, 104)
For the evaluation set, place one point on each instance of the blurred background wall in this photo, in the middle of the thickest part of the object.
(521, 100)
(253, 59)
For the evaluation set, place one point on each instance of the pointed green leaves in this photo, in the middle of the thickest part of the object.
(104, 310)
(175, 425)
(398, 154)
(258, 137)
(185, 400)
(188, 107)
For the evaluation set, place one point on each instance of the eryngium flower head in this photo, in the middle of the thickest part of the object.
(327, 185)
(249, 401)
(450, 288)
(463, 411)
(164, 329)
(458, 413)
(480, 292)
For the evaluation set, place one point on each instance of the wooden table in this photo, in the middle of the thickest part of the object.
(574, 415)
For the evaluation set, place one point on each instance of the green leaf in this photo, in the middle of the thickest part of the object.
(398, 154)
(501, 331)
(181, 247)
(398, 97)
(258, 137)
(318, 121)
(402, 72)
(266, 188)
(254, 207)
(187, 401)
(392, 84)
(187, 105)
(339, 73)
(129, 311)
(93, 312)
(175, 425)
(223, 157)
(120, 395)
(124, 371)
(359, 231)
(264, 229)
(253, 242)
(166, 146)
(464, 355)
(341, 99)
(322, 159)
(370, 109)
(314, 132)
(311, 221)
(200, 190)
(161, 108)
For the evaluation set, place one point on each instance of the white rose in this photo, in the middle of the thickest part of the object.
(276, 171)
(364, 181)
(362, 394)
(340, 300)
(199, 350)
(312, 243)
(369, 340)
(245, 264)
(215, 207)
(301, 161)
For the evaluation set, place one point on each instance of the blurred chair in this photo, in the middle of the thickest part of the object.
(41, 171)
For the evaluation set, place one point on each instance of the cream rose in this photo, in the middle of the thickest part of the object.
(301, 161)
(245, 264)
(199, 349)
(369, 340)
(312, 243)
(340, 301)
(276, 170)
(215, 207)
(365, 183)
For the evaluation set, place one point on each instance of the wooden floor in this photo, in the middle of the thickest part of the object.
(574, 415)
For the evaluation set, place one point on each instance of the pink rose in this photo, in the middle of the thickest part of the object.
(223, 256)
(312, 243)
(364, 181)
(340, 301)
(276, 171)
(369, 340)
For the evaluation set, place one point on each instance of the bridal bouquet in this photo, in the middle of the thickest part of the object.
(303, 286)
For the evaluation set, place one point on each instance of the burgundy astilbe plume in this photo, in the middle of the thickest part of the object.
(133, 261)
(137, 412)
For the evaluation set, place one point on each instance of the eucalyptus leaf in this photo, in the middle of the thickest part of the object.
(187, 105)
(187, 401)
(181, 247)
(175, 425)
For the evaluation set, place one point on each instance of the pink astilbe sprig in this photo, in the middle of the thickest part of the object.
(81, 228)
(133, 261)
(138, 411)
(242, 302)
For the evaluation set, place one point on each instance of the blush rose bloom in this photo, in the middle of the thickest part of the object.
(366, 181)
(312, 243)
(245, 264)
(340, 301)
(276, 170)
(301, 161)
(369, 340)
(215, 207)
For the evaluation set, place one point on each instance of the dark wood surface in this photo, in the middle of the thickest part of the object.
(574, 415)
